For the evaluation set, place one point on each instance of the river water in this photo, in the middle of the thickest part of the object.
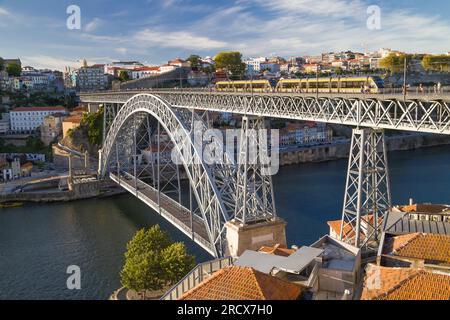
(39, 242)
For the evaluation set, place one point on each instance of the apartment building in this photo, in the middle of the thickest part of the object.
(28, 119)
(90, 78)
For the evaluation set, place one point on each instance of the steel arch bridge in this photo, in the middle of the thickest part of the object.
(223, 191)
(212, 186)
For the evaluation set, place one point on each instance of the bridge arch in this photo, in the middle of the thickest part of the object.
(207, 190)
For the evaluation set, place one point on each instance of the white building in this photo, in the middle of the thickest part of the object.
(143, 72)
(254, 65)
(26, 120)
(167, 68)
(270, 66)
(180, 63)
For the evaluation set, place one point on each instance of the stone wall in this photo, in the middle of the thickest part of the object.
(341, 151)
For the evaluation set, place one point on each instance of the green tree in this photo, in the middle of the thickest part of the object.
(123, 76)
(13, 70)
(93, 123)
(232, 62)
(339, 71)
(195, 61)
(439, 63)
(152, 261)
(153, 239)
(175, 262)
(395, 62)
(2, 64)
(142, 272)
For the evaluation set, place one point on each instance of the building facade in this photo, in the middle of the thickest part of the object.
(90, 78)
(51, 129)
(27, 120)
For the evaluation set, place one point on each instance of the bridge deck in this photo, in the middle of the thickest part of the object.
(122, 96)
(418, 113)
(172, 211)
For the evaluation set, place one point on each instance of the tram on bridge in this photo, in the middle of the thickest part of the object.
(371, 84)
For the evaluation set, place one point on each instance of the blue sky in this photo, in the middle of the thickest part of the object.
(154, 31)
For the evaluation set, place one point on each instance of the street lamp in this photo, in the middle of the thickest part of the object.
(404, 81)
(317, 81)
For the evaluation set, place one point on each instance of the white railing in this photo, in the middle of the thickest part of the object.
(196, 276)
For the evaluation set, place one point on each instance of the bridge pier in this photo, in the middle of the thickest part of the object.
(367, 193)
(255, 222)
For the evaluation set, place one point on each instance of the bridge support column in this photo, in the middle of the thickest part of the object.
(256, 223)
(367, 193)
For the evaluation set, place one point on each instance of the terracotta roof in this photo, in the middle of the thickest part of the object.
(39, 109)
(74, 119)
(277, 250)
(242, 283)
(336, 227)
(429, 247)
(348, 230)
(146, 69)
(383, 283)
(424, 208)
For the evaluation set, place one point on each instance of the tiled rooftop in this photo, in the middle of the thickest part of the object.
(382, 283)
(57, 108)
(242, 283)
(429, 247)
(348, 230)
(424, 208)
(336, 226)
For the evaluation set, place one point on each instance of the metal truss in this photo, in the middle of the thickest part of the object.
(121, 149)
(255, 199)
(367, 193)
(428, 115)
(109, 114)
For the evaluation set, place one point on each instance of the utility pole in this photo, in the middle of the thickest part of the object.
(404, 80)
(317, 81)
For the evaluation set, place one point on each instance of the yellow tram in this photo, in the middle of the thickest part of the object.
(370, 84)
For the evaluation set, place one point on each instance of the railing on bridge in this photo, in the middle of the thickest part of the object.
(171, 210)
(196, 276)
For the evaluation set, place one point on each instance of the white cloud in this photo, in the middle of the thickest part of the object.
(122, 51)
(56, 63)
(341, 8)
(295, 27)
(93, 25)
(177, 39)
(47, 62)
(4, 12)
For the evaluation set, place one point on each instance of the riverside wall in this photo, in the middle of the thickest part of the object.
(79, 191)
(341, 150)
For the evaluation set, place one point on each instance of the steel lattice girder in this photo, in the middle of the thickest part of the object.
(431, 116)
(201, 177)
(367, 194)
(255, 198)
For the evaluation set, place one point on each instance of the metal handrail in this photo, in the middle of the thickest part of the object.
(197, 275)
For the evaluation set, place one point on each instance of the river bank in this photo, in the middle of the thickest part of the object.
(322, 153)
(87, 190)
(340, 150)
